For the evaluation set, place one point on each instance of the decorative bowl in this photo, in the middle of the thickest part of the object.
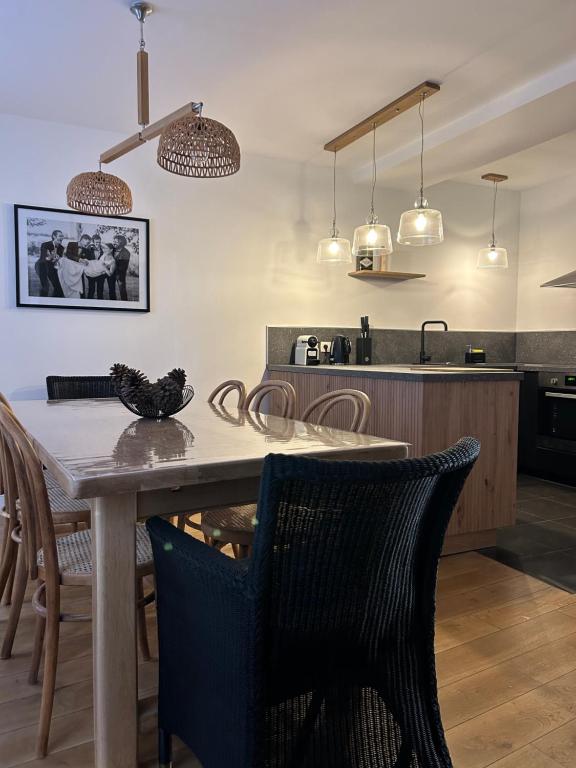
(152, 412)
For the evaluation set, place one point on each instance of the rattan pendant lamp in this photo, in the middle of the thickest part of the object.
(190, 145)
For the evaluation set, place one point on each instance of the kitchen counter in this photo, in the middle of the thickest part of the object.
(430, 408)
(405, 372)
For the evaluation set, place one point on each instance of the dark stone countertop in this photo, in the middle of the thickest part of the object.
(406, 372)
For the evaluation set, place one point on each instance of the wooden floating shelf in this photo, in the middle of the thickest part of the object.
(384, 275)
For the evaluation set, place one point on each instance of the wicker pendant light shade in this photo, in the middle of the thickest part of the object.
(198, 146)
(100, 193)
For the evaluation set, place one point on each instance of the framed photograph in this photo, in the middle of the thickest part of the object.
(69, 260)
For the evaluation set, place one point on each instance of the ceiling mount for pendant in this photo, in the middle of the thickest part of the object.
(408, 100)
(141, 11)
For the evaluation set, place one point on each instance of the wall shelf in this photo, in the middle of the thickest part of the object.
(367, 274)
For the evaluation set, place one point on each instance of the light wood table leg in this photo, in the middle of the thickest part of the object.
(114, 631)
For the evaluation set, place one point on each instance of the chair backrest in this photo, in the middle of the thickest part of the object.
(22, 463)
(224, 389)
(79, 387)
(344, 570)
(284, 389)
(360, 402)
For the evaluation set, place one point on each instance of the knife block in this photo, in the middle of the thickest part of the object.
(363, 351)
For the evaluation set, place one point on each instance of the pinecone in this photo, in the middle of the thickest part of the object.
(167, 394)
(117, 372)
(144, 397)
(179, 376)
(132, 382)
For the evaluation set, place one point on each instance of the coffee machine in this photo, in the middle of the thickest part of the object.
(307, 351)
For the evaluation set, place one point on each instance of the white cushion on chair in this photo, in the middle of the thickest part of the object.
(75, 552)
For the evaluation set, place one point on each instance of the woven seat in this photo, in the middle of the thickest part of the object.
(234, 525)
(75, 555)
(65, 508)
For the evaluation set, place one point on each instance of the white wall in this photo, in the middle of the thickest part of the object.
(230, 256)
(547, 250)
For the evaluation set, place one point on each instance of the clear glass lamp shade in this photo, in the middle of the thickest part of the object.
(334, 249)
(492, 258)
(372, 239)
(420, 226)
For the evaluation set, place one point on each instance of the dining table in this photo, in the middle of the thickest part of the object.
(132, 468)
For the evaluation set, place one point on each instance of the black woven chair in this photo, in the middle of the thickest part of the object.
(318, 651)
(78, 387)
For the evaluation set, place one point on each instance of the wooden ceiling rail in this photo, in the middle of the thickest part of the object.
(389, 112)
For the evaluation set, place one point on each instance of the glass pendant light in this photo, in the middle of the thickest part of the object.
(493, 257)
(422, 225)
(334, 248)
(372, 239)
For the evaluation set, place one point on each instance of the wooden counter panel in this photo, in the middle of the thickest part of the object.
(432, 416)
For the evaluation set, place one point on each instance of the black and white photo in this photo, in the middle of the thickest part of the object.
(80, 261)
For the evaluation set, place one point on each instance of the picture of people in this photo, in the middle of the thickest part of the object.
(81, 261)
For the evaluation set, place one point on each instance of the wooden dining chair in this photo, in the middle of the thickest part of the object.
(360, 402)
(235, 525)
(66, 512)
(226, 388)
(222, 390)
(282, 389)
(53, 561)
(228, 526)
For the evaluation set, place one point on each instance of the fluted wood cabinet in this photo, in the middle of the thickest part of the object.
(431, 415)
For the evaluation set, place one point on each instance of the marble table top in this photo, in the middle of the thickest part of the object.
(98, 448)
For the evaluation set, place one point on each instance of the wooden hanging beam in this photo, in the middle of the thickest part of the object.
(142, 88)
(150, 132)
(384, 115)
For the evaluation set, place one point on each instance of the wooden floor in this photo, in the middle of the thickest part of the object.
(506, 655)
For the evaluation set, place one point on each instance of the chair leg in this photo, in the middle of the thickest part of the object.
(20, 581)
(164, 749)
(7, 600)
(9, 556)
(49, 683)
(141, 618)
(241, 551)
(39, 633)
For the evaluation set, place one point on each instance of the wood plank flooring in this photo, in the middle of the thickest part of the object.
(506, 656)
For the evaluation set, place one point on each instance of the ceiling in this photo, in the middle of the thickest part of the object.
(288, 75)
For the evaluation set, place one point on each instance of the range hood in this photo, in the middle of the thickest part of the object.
(564, 281)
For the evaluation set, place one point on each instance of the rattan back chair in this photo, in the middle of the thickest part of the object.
(283, 389)
(54, 562)
(235, 525)
(325, 403)
(79, 387)
(226, 388)
(316, 652)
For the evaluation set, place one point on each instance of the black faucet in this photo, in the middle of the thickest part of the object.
(424, 358)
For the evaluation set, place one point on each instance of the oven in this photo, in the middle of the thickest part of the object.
(557, 412)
